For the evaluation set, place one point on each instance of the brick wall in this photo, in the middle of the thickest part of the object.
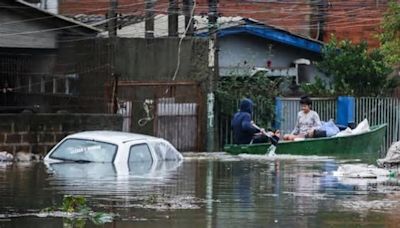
(355, 20)
(38, 133)
(295, 17)
(100, 7)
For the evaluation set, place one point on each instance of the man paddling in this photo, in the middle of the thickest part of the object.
(246, 131)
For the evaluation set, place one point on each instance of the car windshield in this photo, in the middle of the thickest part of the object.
(85, 151)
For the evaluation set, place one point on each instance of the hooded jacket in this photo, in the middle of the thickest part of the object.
(243, 130)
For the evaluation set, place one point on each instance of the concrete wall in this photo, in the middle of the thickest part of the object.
(246, 51)
(38, 133)
(156, 59)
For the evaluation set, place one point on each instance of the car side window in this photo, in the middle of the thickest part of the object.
(140, 153)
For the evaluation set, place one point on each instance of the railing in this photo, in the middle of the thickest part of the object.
(378, 110)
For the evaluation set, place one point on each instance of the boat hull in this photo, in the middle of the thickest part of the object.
(365, 145)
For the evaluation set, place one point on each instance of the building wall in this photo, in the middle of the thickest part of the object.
(356, 20)
(294, 16)
(38, 133)
(156, 59)
(246, 52)
(297, 15)
(100, 7)
(36, 79)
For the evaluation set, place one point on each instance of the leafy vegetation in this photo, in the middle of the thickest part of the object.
(352, 70)
(78, 212)
(259, 88)
(390, 36)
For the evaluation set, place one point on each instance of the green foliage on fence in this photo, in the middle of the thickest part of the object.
(259, 88)
(353, 70)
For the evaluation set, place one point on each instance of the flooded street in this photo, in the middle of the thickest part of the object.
(205, 190)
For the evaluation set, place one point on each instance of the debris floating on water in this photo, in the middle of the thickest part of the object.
(360, 171)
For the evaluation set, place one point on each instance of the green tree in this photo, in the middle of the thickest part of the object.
(390, 36)
(259, 88)
(354, 70)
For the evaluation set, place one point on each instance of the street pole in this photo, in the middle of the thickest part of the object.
(149, 20)
(214, 74)
(187, 11)
(112, 35)
(173, 18)
(112, 19)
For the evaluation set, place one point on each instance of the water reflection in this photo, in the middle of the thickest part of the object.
(109, 178)
(210, 191)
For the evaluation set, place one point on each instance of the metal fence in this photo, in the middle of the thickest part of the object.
(377, 110)
(170, 110)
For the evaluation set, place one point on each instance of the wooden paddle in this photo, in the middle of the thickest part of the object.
(269, 134)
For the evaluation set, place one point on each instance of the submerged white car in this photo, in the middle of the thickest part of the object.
(112, 147)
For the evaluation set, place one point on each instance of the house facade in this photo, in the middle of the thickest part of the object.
(249, 48)
(39, 66)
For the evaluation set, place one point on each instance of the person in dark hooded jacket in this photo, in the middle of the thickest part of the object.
(244, 129)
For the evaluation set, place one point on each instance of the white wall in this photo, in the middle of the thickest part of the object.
(244, 51)
(50, 5)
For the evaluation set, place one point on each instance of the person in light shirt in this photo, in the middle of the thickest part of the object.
(307, 121)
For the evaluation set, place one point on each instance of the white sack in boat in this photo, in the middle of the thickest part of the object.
(362, 127)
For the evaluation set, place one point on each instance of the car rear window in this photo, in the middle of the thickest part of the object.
(166, 152)
(85, 150)
(140, 153)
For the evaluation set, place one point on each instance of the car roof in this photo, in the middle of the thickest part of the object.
(116, 137)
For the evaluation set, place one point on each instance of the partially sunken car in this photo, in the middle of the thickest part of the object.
(112, 147)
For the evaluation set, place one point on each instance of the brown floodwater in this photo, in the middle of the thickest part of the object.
(205, 190)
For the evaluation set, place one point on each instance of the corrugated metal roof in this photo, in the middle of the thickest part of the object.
(276, 34)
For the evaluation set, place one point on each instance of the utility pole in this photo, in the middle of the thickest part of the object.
(112, 35)
(173, 18)
(112, 19)
(149, 20)
(213, 65)
(187, 11)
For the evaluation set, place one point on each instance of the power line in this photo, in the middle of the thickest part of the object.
(181, 39)
(292, 15)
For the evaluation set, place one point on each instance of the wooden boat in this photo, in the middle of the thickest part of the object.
(364, 146)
